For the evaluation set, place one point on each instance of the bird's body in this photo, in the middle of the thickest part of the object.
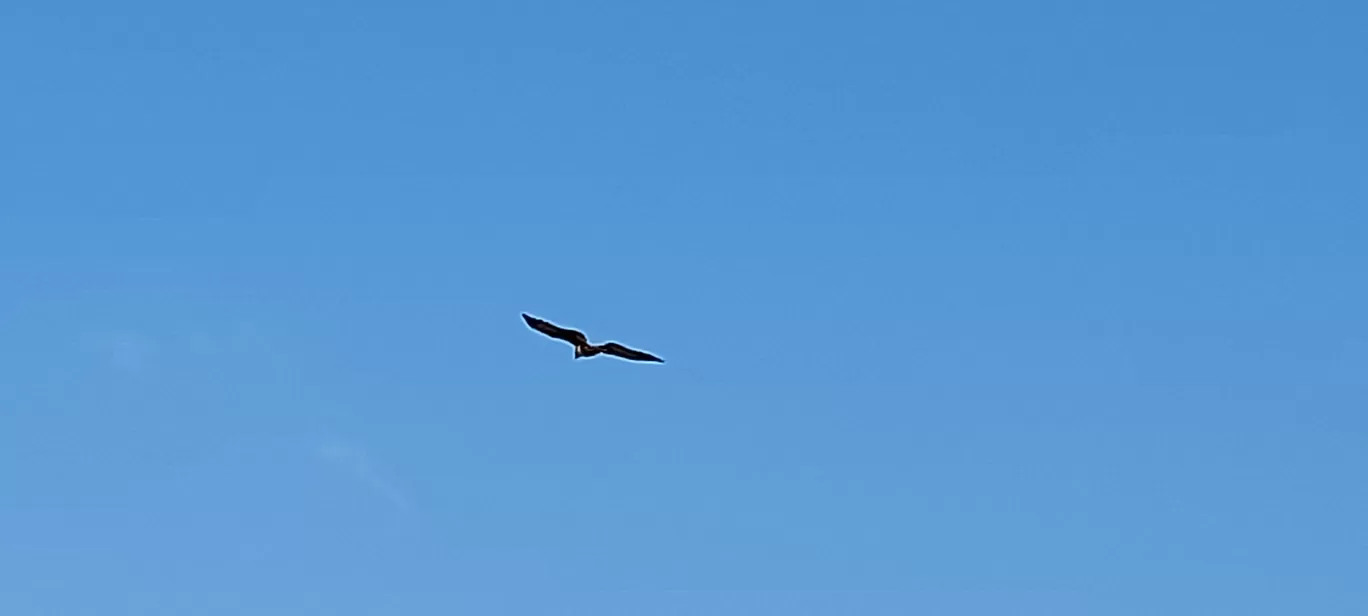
(583, 348)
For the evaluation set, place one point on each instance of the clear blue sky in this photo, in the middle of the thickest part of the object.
(969, 308)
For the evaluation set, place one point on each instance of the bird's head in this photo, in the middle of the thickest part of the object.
(579, 352)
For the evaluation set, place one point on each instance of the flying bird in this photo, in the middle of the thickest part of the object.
(582, 346)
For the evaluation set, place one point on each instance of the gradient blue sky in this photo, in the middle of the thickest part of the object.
(969, 308)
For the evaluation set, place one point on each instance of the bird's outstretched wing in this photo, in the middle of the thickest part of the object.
(613, 348)
(560, 333)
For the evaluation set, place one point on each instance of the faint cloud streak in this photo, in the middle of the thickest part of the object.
(359, 464)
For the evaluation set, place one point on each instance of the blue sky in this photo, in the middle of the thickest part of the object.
(968, 308)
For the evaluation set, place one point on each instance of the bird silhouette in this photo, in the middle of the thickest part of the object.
(582, 346)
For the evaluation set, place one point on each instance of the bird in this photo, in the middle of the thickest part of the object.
(582, 346)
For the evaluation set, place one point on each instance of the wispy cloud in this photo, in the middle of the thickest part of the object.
(361, 466)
